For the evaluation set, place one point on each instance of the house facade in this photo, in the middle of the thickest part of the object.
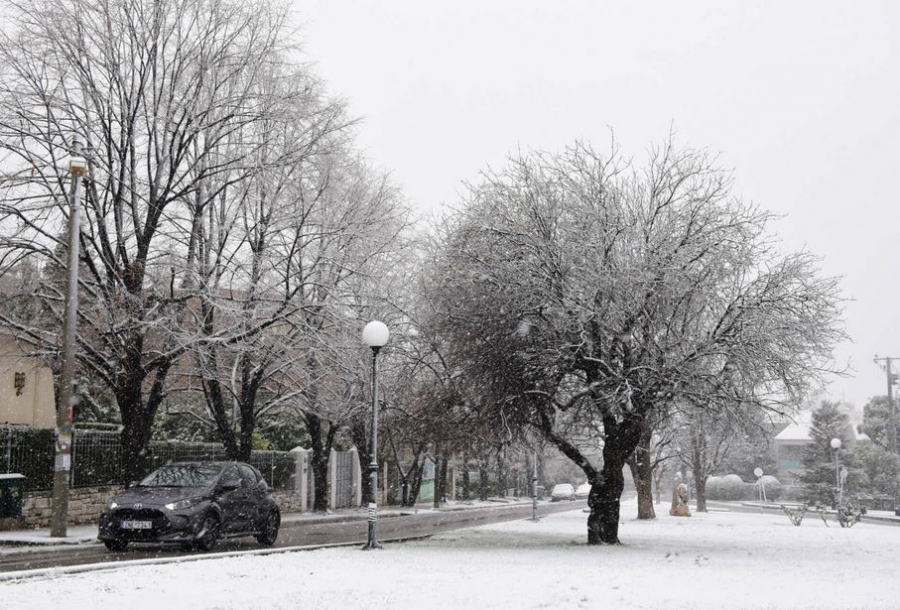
(790, 443)
(26, 387)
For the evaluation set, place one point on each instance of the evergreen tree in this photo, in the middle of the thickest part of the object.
(876, 421)
(820, 478)
(882, 469)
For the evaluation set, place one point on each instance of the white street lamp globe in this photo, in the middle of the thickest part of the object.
(375, 334)
(835, 443)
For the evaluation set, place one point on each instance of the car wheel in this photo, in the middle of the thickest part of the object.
(116, 545)
(209, 533)
(270, 529)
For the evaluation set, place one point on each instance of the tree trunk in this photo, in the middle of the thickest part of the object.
(699, 461)
(700, 492)
(620, 440)
(658, 476)
(416, 486)
(443, 477)
(643, 484)
(136, 458)
(438, 481)
(642, 473)
(320, 441)
(138, 415)
(251, 379)
(483, 482)
(501, 472)
(465, 478)
(604, 502)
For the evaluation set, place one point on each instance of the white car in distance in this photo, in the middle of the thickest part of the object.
(562, 491)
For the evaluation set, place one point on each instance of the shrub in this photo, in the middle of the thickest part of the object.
(714, 488)
(732, 487)
(772, 487)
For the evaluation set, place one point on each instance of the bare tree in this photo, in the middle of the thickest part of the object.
(584, 294)
(237, 265)
(159, 92)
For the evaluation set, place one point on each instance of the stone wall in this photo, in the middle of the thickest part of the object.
(84, 505)
(289, 501)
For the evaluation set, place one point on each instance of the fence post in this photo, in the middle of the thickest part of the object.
(75, 436)
(332, 479)
(356, 477)
(301, 475)
(9, 449)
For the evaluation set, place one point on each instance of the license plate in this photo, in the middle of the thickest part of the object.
(136, 525)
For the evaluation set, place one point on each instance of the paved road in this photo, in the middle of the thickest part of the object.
(293, 534)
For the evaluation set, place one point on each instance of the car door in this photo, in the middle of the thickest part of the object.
(256, 498)
(233, 500)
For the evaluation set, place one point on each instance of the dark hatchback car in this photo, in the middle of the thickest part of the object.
(194, 504)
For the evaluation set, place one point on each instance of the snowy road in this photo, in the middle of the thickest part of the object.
(293, 534)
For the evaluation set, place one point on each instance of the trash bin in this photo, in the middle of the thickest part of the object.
(12, 487)
(540, 492)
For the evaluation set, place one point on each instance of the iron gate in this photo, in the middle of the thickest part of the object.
(343, 479)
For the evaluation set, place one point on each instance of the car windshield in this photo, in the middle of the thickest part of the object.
(182, 475)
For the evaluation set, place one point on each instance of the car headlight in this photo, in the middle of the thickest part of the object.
(112, 505)
(182, 504)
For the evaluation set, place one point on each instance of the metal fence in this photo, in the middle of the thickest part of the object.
(29, 452)
(343, 484)
(97, 458)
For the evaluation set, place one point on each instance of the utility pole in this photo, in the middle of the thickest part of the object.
(891, 378)
(67, 399)
(534, 488)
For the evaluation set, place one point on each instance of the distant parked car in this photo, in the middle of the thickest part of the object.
(194, 504)
(562, 491)
(583, 491)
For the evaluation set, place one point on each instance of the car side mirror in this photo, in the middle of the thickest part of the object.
(131, 484)
(228, 486)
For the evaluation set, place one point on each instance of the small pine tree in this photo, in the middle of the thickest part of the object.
(820, 479)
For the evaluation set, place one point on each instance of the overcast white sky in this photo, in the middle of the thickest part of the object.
(801, 99)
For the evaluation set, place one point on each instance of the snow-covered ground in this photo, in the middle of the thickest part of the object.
(710, 561)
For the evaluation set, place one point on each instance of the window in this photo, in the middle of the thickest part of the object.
(248, 474)
(231, 476)
(20, 383)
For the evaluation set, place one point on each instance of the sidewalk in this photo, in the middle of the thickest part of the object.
(883, 516)
(87, 534)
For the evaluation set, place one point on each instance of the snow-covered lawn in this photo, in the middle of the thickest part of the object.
(716, 561)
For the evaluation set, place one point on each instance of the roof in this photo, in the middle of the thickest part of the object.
(799, 431)
(794, 432)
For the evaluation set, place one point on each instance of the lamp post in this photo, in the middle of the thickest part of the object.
(836, 445)
(375, 335)
(67, 399)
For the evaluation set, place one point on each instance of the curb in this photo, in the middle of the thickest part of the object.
(866, 517)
